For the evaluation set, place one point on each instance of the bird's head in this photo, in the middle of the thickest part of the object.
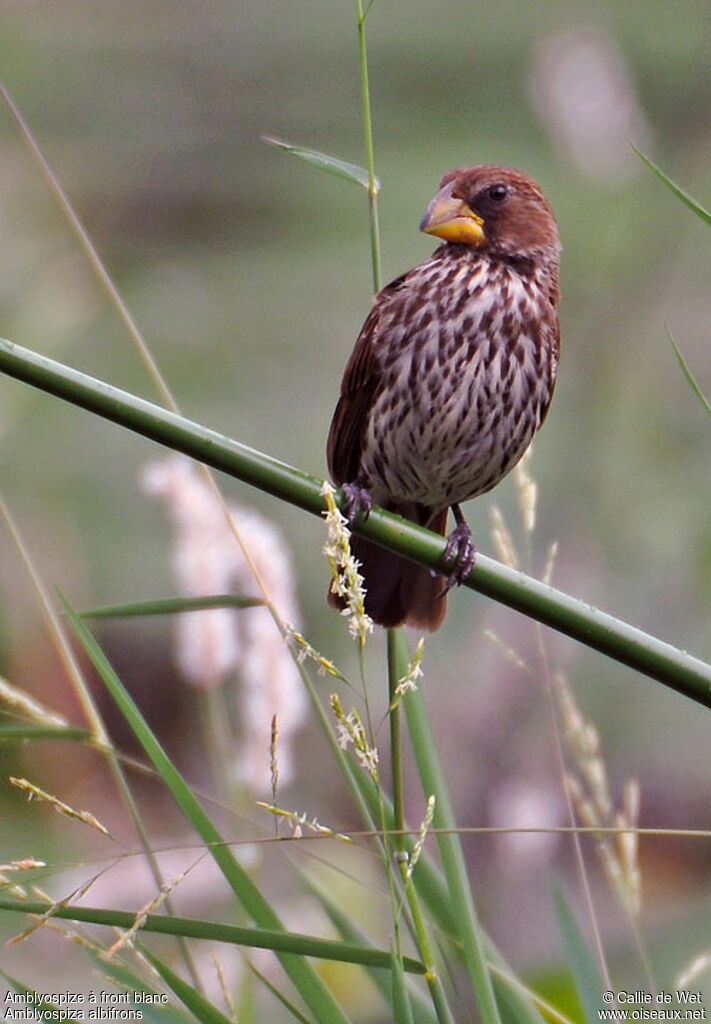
(496, 209)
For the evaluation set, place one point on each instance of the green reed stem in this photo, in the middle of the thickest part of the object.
(581, 621)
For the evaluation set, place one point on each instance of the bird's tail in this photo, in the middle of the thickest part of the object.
(399, 592)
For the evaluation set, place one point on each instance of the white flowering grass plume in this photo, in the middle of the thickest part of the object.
(408, 682)
(217, 645)
(351, 731)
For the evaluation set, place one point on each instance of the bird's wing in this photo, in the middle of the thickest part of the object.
(555, 353)
(360, 382)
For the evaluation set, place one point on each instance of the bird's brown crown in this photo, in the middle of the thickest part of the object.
(495, 208)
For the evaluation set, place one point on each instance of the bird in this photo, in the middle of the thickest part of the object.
(451, 376)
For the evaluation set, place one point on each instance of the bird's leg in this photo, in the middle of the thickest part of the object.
(460, 552)
(358, 499)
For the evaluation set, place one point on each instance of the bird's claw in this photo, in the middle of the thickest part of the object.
(459, 556)
(357, 499)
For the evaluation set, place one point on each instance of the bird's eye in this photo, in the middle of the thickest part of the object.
(497, 192)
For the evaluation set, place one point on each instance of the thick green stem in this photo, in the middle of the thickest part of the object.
(581, 621)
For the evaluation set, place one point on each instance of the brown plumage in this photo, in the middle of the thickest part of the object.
(451, 376)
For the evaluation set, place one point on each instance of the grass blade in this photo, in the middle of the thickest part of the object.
(581, 961)
(470, 934)
(687, 199)
(170, 606)
(196, 928)
(402, 1011)
(41, 1009)
(313, 991)
(197, 1004)
(331, 164)
(689, 375)
(278, 995)
(515, 1000)
(350, 932)
(518, 1005)
(9, 733)
(128, 981)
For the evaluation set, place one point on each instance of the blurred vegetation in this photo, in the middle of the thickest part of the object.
(249, 274)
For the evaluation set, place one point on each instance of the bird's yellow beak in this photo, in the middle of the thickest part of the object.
(450, 218)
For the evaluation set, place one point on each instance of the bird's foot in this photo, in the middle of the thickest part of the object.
(459, 555)
(357, 499)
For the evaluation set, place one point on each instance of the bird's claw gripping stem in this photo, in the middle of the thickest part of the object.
(459, 555)
(357, 499)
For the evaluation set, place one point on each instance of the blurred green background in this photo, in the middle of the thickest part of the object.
(249, 274)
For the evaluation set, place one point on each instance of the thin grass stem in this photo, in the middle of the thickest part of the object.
(395, 743)
(369, 149)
